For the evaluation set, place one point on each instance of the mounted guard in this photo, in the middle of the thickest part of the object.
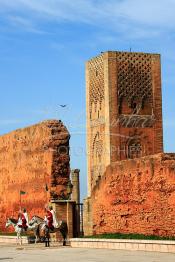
(23, 221)
(49, 218)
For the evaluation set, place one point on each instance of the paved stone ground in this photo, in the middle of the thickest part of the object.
(67, 254)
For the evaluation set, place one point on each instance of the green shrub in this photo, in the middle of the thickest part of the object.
(129, 236)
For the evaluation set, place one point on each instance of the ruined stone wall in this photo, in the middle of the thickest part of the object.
(33, 159)
(136, 196)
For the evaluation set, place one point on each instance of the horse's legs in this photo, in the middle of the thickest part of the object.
(36, 238)
(45, 241)
(47, 237)
(36, 235)
(64, 235)
(64, 242)
(20, 236)
(48, 240)
(19, 239)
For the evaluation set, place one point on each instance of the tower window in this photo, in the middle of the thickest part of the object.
(98, 114)
(134, 149)
(134, 107)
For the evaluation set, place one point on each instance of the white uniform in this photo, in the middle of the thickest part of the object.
(19, 222)
(55, 220)
(27, 218)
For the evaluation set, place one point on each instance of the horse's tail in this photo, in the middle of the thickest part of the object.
(64, 229)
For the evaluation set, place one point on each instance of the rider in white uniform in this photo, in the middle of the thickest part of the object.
(55, 220)
(19, 220)
(26, 216)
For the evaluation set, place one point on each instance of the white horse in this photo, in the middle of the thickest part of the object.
(43, 228)
(19, 231)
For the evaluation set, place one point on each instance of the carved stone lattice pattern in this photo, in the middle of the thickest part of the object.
(134, 78)
(141, 121)
(97, 153)
(97, 148)
(96, 84)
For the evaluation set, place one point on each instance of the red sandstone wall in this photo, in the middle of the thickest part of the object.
(30, 158)
(136, 196)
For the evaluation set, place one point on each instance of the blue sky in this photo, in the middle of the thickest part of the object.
(43, 48)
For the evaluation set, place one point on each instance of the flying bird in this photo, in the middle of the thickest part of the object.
(63, 105)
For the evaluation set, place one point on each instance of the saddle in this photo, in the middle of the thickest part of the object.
(51, 229)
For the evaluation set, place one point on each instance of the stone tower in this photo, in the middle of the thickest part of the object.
(124, 109)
